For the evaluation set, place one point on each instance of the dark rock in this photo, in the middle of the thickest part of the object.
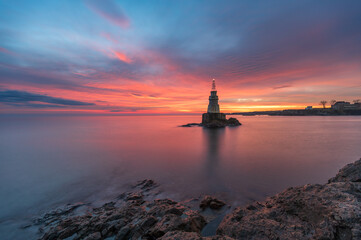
(109, 206)
(178, 235)
(215, 120)
(128, 219)
(134, 196)
(233, 122)
(122, 234)
(218, 237)
(330, 211)
(194, 222)
(146, 184)
(210, 202)
(67, 232)
(174, 210)
(351, 172)
(94, 236)
(191, 125)
(148, 222)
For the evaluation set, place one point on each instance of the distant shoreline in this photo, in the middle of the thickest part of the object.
(303, 112)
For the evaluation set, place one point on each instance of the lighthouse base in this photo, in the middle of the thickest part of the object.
(213, 117)
(218, 120)
(215, 120)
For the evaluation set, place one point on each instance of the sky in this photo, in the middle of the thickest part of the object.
(159, 57)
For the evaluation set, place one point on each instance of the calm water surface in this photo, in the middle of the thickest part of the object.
(49, 161)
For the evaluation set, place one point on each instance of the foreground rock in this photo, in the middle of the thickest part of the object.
(329, 211)
(130, 217)
(211, 202)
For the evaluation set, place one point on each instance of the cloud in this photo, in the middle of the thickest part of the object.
(122, 57)
(121, 109)
(27, 99)
(34, 105)
(4, 50)
(44, 79)
(110, 11)
(282, 86)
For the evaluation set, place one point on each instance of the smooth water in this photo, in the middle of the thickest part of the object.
(46, 162)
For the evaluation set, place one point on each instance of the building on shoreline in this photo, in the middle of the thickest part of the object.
(342, 105)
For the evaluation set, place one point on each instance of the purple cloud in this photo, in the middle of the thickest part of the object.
(110, 11)
(19, 98)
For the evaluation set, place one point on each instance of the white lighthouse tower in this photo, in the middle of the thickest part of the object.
(213, 106)
(213, 115)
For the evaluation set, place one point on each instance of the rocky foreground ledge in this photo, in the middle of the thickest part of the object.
(328, 211)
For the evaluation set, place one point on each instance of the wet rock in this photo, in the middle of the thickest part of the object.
(211, 202)
(314, 211)
(161, 207)
(146, 184)
(94, 236)
(67, 232)
(123, 233)
(218, 237)
(351, 172)
(233, 122)
(109, 206)
(215, 123)
(178, 235)
(148, 223)
(58, 213)
(134, 196)
(175, 210)
(194, 222)
(191, 125)
(131, 218)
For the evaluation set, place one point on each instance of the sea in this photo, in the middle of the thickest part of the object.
(50, 161)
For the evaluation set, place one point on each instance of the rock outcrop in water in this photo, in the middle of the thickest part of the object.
(328, 211)
(217, 123)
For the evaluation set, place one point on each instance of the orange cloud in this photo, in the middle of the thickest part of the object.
(122, 57)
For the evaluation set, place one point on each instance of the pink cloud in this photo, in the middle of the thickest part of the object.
(122, 57)
(4, 50)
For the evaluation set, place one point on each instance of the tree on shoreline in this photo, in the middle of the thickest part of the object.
(333, 101)
(323, 103)
(356, 101)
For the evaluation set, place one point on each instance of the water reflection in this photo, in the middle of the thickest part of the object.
(213, 138)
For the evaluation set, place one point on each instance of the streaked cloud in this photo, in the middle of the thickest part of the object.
(22, 98)
(109, 10)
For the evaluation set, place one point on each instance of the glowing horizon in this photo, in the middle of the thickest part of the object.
(122, 57)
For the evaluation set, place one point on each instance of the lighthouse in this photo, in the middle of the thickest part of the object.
(213, 106)
(213, 115)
